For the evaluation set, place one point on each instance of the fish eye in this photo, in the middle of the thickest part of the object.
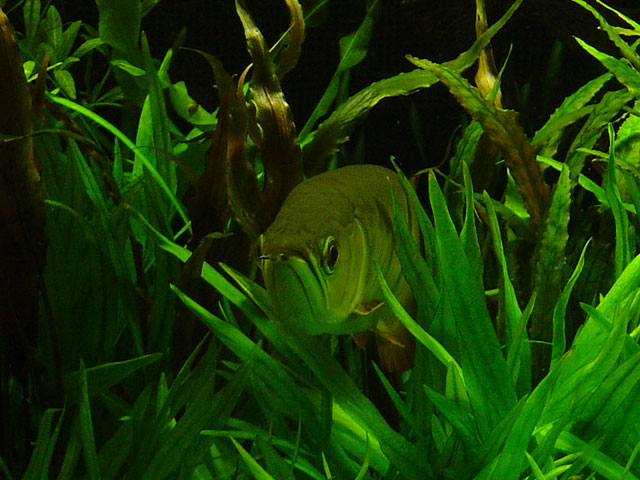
(330, 254)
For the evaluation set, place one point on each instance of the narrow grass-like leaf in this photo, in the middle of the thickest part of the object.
(256, 470)
(459, 418)
(40, 461)
(624, 73)
(607, 400)
(486, 375)
(511, 462)
(622, 253)
(114, 453)
(207, 409)
(559, 311)
(535, 469)
(337, 128)
(626, 50)
(127, 142)
(503, 129)
(325, 367)
(86, 429)
(353, 49)
(570, 111)
(414, 266)
(631, 22)
(426, 229)
(275, 463)
(468, 234)
(104, 376)
(518, 354)
(157, 130)
(416, 330)
(598, 461)
(397, 400)
(585, 182)
(603, 112)
(512, 311)
(132, 70)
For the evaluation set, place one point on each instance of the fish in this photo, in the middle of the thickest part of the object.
(317, 259)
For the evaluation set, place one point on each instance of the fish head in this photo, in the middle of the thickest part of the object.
(315, 272)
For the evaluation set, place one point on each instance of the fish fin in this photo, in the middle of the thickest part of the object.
(366, 308)
(395, 349)
(362, 339)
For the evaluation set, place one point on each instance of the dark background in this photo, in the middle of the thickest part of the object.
(430, 29)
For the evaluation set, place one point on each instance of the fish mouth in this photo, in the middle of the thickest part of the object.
(298, 292)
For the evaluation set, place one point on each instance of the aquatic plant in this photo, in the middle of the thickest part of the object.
(257, 398)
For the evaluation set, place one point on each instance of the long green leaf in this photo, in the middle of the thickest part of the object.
(126, 141)
(486, 375)
(353, 49)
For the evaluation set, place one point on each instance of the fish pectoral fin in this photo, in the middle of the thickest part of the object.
(362, 339)
(365, 308)
(395, 349)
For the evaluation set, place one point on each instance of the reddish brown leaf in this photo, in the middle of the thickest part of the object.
(22, 239)
(276, 134)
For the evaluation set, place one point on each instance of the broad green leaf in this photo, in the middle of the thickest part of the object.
(68, 39)
(54, 31)
(187, 107)
(31, 13)
(122, 64)
(119, 26)
(66, 82)
(88, 46)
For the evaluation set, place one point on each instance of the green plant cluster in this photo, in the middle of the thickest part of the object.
(496, 390)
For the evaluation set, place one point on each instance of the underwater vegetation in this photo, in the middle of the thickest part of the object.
(137, 339)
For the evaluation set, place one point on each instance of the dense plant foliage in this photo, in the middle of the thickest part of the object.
(527, 364)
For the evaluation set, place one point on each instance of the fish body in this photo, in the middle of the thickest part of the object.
(317, 258)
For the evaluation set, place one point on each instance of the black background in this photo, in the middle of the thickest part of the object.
(430, 29)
